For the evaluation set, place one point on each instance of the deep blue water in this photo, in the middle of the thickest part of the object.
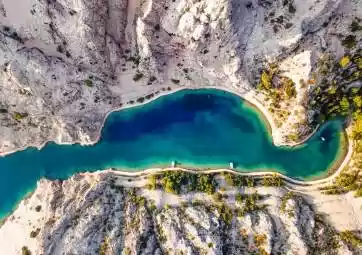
(199, 128)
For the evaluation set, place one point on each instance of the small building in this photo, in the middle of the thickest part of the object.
(231, 164)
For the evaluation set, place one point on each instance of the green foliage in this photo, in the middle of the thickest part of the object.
(126, 251)
(350, 238)
(226, 214)
(104, 247)
(173, 181)
(358, 61)
(355, 26)
(345, 182)
(293, 137)
(357, 128)
(260, 240)
(266, 80)
(344, 105)
(273, 181)
(20, 115)
(207, 184)
(34, 233)
(344, 62)
(289, 87)
(358, 192)
(138, 76)
(88, 83)
(349, 42)
(25, 251)
(152, 182)
(217, 197)
(138, 200)
(283, 204)
(238, 181)
(175, 81)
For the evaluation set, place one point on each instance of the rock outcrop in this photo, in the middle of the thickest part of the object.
(65, 64)
(108, 213)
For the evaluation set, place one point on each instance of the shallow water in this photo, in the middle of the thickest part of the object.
(199, 128)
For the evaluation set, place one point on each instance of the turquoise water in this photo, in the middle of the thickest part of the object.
(199, 128)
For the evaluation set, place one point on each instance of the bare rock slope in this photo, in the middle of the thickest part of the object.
(65, 64)
(107, 213)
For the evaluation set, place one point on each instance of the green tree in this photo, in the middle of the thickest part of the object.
(344, 105)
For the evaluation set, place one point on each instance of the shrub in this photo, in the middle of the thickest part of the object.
(273, 181)
(344, 62)
(175, 81)
(358, 192)
(138, 76)
(38, 208)
(104, 247)
(20, 115)
(217, 197)
(88, 83)
(349, 42)
(25, 251)
(260, 240)
(266, 80)
(350, 238)
(34, 233)
(355, 26)
(226, 214)
(289, 87)
(152, 182)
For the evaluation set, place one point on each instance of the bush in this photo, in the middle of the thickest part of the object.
(273, 181)
(19, 115)
(266, 80)
(152, 182)
(35, 233)
(226, 214)
(351, 239)
(25, 251)
(38, 208)
(88, 83)
(175, 81)
(289, 87)
(349, 42)
(344, 62)
(138, 76)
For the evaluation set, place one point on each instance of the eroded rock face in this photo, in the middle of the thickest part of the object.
(66, 63)
(106, 213)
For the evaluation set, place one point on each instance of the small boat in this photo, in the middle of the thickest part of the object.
(173, 164)
(322, 138)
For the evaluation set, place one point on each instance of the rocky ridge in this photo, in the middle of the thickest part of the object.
(66, 64)
(109, 213)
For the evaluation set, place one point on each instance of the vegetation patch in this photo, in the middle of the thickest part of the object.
(273, 181)
(352, 240)
(20, 115)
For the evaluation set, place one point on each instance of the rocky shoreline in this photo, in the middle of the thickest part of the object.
(123, 213)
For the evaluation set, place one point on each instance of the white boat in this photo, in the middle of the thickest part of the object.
(322, 138)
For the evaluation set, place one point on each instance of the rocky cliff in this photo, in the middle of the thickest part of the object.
(109, 213)
(65, 64)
